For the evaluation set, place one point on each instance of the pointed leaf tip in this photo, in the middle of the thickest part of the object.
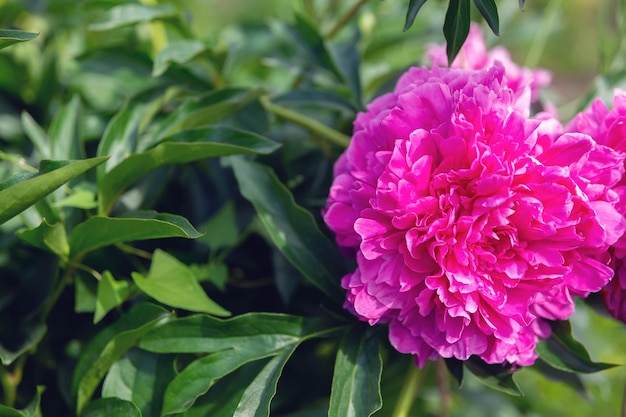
(411, 13)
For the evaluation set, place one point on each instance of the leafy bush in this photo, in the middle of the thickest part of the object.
(162, 247)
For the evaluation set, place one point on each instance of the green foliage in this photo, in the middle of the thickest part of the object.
(182, 173)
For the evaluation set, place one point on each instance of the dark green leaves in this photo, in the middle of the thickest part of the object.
(100, 231)
(498, 377)
(457, 22)
(291, 228)
(10, 37)
(109, 345)
(489, 11)
(230, 344)
(183, 147)
(414, 8)
(24, 194)
(565, 353)
(456, 27)
(356, 380)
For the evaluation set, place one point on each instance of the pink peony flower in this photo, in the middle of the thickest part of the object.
(608, 127)
(474, 55)
(469, 222)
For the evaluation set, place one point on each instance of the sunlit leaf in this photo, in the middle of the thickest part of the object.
(22, 195)
(109, 345)
(65, 131)
(411, 13)
(181, 148)
(100, 231)
(128, 14)
(356, 380)
(10, 37)
(178, 52)
(171, 282)
(37, 135)
(456, 27)
(111, 293)
(291, 228)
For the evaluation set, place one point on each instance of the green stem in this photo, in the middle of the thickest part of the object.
(410, 387)
(314, 126)
(345, 19)
(541, 38)
(10, 380)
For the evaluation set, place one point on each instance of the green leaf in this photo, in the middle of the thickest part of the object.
(10, 37)
(563, 352)
(292, 229)
(111, 293)
(47, 237)
(129, 14)
(109, 407)
(311, 40)
(202, 333)
(31, 410)
(256, 399)
(221, 230)
(179, 52)
(18, 197)
(355, 389)
(171, 282)
(197, 378)
(181, 148)
(65, 131)
(100, 231)
(34, 335)
(204, 112)
(120, 137)
(489, 11)
(497, 377)
(231, 344)
(456, 27)
(85, 293)
(37, 135)
(109, 345)
(322, 99)
(81, 197)
(140, 377)
(347, 60)
(411, 13)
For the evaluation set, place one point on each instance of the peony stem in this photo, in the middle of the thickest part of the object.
(312, 125)
(345, 19)
(410, 387)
